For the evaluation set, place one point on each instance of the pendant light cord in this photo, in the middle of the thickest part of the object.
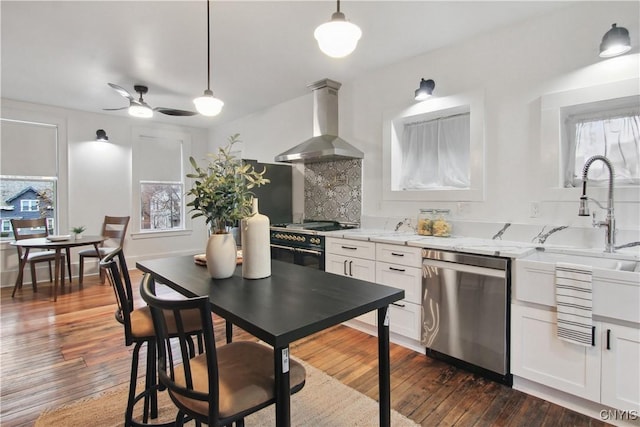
(209, 49)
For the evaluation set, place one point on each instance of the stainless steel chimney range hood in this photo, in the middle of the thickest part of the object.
(325, 145)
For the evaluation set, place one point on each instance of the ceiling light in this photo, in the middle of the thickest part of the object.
(338, 37)
(615, 42)
(207, 105)
(140, 110)
(101, 136)
(425, 90)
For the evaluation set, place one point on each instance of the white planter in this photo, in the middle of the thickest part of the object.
(221, 255)
(256, 245)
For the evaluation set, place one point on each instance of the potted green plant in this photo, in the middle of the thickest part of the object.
(78, 231)
(221, 193)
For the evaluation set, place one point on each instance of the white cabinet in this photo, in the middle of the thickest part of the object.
(620, 366)
(539, 355)
(355, 259)
(401, 267)
(607, 372)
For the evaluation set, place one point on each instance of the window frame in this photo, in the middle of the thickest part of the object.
(143, 134)
(553, 154)
(434, 108)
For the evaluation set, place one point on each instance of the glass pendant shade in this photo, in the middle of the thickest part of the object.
(615, 42)
(207, 105)
(338, 37)
(139, 110)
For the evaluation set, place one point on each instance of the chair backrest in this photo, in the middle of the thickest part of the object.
(115, 266)
(181, 381)
(28, 229)
(114, 228)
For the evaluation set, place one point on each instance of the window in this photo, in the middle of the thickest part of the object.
(29, 205)
(435, 153)
(29, 181)
(161, 205)
(434, 150)
(607, 129)
(159, 158)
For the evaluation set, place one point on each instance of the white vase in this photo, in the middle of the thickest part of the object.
(221, 255)
(256, 245)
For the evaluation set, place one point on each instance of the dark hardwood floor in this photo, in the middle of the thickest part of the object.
(55, 353)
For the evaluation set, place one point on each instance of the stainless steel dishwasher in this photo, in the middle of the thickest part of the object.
(465, 311)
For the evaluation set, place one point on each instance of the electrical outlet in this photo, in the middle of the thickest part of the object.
(534, 209)
(464, 208)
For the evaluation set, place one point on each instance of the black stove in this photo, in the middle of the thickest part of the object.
(302, 243)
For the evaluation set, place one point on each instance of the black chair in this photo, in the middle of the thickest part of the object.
(139, 330)
(224, 384)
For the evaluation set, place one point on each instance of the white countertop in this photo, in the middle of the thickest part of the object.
(502, 248)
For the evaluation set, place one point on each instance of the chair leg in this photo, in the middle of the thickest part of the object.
(81, 271)
(128, 417)
(34, 282)
(69, 264)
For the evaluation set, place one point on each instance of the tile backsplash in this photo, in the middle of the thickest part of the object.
(333, 190)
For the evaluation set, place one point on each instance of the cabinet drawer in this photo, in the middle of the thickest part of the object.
(404, 319)
(397, 254)
(399, 276)
(350, 248)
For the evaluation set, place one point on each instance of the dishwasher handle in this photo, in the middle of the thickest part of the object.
(483, 271)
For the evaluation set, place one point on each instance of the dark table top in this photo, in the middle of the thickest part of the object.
(292, 303)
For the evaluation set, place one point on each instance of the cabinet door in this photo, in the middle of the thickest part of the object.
(399, 276)
(539, 355)
(363, 269)
(621, 367)
(404, 319)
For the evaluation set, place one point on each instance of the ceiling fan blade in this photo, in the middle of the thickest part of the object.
(174, 112)
(114, 109)
(122, 91)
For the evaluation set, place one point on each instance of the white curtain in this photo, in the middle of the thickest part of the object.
(435, 153)
(617, 137)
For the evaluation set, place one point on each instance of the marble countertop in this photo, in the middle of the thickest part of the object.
(502, 248)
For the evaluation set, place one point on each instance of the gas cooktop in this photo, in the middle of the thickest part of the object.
(315, 225)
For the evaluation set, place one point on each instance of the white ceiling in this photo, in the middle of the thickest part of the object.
(63, 53)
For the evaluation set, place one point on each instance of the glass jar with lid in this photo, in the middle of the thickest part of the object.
(441, 226)
(425, 222)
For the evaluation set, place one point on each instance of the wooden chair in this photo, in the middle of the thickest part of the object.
(114, 228)
(138, 330)
(224, 384)
(31, 229)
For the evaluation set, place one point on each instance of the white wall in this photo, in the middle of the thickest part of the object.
(514, 67)
(99, 182)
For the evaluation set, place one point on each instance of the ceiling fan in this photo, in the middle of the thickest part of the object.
(139, 108)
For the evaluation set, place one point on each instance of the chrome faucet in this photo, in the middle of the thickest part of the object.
(609, 223)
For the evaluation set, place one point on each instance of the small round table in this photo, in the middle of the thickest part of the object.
(58, 246)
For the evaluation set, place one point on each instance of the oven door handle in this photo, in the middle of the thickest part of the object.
(309, 251)
(290, 249)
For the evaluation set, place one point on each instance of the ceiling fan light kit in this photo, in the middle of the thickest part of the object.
(139, 110)
(338, 37)
(207, 104)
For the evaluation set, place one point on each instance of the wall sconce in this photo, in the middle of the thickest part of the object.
(425, 90)
(615, 42)
(101, 136)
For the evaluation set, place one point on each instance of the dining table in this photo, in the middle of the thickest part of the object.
(293, 303)
(57, 244)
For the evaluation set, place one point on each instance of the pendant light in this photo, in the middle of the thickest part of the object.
(338, 37)
(615, 42)
(207, 105)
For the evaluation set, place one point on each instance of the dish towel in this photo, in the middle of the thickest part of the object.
(574, 303)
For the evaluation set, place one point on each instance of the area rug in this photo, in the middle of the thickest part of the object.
(324, 401)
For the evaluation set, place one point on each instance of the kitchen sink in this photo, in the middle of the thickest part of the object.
(607, 263)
